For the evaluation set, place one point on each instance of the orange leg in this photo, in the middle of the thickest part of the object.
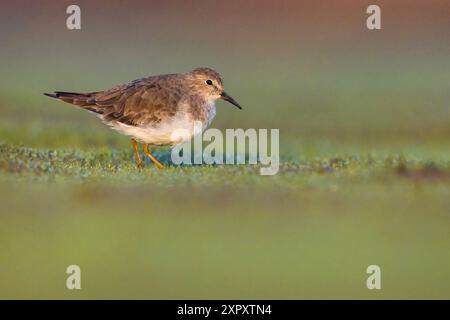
(158, 164)
(136, 153)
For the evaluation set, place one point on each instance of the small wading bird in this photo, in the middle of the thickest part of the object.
(152, 109)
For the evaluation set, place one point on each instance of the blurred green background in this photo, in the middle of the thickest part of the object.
(364, 125)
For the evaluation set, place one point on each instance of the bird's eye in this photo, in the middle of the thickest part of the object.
(209, 82)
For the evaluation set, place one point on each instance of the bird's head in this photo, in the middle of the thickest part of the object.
(209, 84)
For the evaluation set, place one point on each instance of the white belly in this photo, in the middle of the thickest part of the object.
(173, 131)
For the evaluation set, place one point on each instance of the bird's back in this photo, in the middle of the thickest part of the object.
(140, 102)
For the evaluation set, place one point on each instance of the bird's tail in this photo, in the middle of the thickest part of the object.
(83, 100)
(79, 99)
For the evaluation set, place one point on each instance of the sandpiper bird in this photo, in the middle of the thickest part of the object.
(151, 109)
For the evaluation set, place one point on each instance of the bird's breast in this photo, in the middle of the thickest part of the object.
(204, 113)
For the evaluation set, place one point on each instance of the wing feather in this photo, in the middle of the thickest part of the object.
(142, 102)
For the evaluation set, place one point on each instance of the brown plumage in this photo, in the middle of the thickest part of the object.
(151, 109)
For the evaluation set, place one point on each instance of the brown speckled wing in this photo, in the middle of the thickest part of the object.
(142, 102)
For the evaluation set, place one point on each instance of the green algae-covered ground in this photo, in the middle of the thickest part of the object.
(224, 231)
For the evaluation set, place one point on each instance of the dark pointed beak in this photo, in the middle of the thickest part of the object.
(228, 98)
